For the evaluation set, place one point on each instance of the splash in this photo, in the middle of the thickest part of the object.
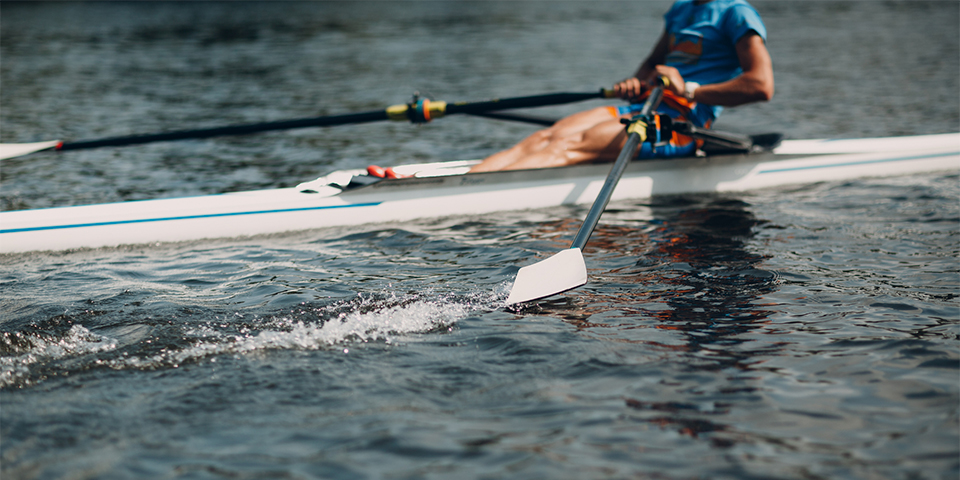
(367, 318)
(30, 350)
(28, 358)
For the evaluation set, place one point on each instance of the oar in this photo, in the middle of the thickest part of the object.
(419, 111)
(567, 270)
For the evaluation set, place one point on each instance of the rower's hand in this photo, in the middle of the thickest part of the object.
(629, 89)
(675, 81)
(632, 88)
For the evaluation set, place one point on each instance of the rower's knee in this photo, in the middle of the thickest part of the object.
(540, 139)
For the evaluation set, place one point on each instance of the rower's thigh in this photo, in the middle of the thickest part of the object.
(606, 139)
(581, 121)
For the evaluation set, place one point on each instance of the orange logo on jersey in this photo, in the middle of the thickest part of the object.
(686, 51)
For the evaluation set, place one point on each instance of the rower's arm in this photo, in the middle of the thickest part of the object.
(657, 56)
(631, 88)
(755, 84)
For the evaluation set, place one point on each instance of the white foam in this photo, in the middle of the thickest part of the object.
(77, 341)
(364, 322)
(383, 317)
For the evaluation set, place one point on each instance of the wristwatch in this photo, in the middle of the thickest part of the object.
(689, 89)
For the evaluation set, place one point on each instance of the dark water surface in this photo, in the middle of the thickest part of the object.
(803, 332)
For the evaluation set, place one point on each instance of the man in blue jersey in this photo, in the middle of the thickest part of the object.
(714, 54)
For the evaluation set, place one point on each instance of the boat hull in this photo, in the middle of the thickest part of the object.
(446, 191)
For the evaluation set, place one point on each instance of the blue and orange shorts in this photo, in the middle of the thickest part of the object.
(678, 145)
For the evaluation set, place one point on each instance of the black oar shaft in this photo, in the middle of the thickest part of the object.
(396, 112)
(525, 102)
(352, 118)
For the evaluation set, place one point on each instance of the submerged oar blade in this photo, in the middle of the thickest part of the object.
(557, 274)
(11, 150)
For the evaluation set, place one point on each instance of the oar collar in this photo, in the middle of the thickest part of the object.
(421, 110)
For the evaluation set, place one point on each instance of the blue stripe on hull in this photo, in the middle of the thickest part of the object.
(864, 162)
(186, 217)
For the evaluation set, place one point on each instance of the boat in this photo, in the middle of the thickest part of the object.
(353, 197)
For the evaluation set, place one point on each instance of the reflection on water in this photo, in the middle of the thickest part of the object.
(702, 252)
(763, 338)
(696, 276)
(714, 281)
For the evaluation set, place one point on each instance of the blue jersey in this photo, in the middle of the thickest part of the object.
(703, 42)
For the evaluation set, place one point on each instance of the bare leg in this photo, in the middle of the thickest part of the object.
(602, 142)
(569, 129)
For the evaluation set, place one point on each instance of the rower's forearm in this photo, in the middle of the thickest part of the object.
(739, 91)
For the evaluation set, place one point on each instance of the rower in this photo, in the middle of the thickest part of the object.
(713, 54)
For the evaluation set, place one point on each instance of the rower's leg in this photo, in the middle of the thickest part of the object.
(567, 128)
(602, 142)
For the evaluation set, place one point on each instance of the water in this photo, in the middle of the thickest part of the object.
(804, 332)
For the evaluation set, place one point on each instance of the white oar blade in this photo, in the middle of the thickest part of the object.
(11, 150)
(557, 274)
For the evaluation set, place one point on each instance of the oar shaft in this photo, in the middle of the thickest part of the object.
(395, 112)
(525, 102)
(352, 118)
(593, 217)
(626, 155)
